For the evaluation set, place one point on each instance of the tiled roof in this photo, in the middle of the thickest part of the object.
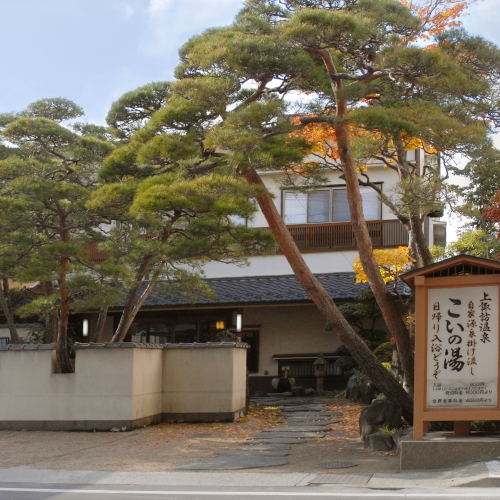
(261, 290)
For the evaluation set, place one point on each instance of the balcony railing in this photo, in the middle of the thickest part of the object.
(340, 236)
(323, 237)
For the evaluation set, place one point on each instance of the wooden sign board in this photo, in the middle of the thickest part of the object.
(456, 342)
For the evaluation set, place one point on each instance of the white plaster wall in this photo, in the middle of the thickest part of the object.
(108, 331)
(275, 265)
(289, 330)
(101, 388)
(147, 373)
(115, 383)
(22, 332)
(204, 380)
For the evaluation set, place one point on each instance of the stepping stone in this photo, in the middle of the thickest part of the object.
(277, 441)
(253, 453)
(311, 422)
(234, 462)
(306, 414)
(316, 420)
(299, 435)
(309, 427)
(301, 410)
(295, 428)
(264, 447)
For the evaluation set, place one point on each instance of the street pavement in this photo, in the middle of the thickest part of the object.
(254, 467)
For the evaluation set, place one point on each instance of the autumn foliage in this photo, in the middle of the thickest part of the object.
(392, 263)
(438, 15)
(492, 213)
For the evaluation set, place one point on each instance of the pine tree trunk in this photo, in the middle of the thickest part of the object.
(129, 319)
(359, 350)
(389, 311)
(7, 310)
(417, 230)
(63, 363)
(52, 317)
(132, 304)
(125, 322)
(101, 322)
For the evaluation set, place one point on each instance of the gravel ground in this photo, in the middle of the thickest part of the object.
(161, 447)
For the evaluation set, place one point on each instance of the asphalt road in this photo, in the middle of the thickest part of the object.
(89, 492)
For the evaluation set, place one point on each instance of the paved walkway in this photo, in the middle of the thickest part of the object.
(271, 447)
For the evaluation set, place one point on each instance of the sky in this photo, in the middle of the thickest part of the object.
(93, 51)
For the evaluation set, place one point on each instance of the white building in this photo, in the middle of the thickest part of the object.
(279, 320)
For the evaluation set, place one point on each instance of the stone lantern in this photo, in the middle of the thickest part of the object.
(320, 372)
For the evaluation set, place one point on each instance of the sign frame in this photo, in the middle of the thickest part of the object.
(422, 413)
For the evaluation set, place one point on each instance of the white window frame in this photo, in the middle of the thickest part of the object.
(331, 217)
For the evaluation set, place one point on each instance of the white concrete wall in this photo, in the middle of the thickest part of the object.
(100, 389)
(275, 265)
(204, 380)
(289, 330)
(147, 387)
(22, 332)
(113, 384)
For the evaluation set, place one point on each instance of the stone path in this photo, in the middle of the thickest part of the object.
(305, 419)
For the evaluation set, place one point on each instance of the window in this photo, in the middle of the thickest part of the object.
(327, 205)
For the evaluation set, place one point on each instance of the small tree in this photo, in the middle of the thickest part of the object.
(45, 181)
(167, 225)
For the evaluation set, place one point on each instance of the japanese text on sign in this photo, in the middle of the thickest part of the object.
(462, 347)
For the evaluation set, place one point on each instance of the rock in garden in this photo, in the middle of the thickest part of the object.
(352, 389)
(378, 442)
(379, 415)
(398, 436)
(367, 390)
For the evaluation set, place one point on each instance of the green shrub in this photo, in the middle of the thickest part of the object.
(384, 352)
(346, 363)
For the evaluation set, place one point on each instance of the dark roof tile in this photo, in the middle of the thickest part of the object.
(263, 290)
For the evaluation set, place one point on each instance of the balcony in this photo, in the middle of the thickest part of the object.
(339, 235)
(322, 237)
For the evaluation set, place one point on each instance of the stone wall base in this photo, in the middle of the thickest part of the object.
(440, 450)
(122, 425)
(203, 417)
(77, 425)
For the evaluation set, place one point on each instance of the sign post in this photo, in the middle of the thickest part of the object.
(456, 342)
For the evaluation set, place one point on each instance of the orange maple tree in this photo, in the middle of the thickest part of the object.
(438, 15)
(492, 213)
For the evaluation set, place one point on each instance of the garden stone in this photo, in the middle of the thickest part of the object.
(379, 415)
(298, 391)
(352, 389)
(368, 391)
(325, 394)
(398, 436)
(378, 442)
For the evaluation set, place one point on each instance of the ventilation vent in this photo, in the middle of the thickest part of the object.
(462, 270)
